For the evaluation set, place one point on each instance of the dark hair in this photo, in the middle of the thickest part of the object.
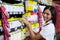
(53, 13)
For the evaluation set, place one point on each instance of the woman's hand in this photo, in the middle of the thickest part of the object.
(33, 36)
(25, 20)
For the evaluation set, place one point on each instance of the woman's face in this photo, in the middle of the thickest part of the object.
(47, 15)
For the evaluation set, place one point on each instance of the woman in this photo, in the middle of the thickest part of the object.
(48, 31)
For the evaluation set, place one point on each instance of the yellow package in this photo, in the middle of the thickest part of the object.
(25, 30)
(0, 23)
(32, 2)
(29, 8)
(11, 19)
(20, 4)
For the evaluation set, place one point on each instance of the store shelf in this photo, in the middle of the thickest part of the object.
(12, 1)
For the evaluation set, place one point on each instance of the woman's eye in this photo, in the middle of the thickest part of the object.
(47, 13)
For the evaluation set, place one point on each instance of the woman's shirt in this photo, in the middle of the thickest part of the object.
(48, 31)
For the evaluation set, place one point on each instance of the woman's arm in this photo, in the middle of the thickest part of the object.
(33, 36)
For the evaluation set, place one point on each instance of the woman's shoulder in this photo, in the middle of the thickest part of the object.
(49, 23)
